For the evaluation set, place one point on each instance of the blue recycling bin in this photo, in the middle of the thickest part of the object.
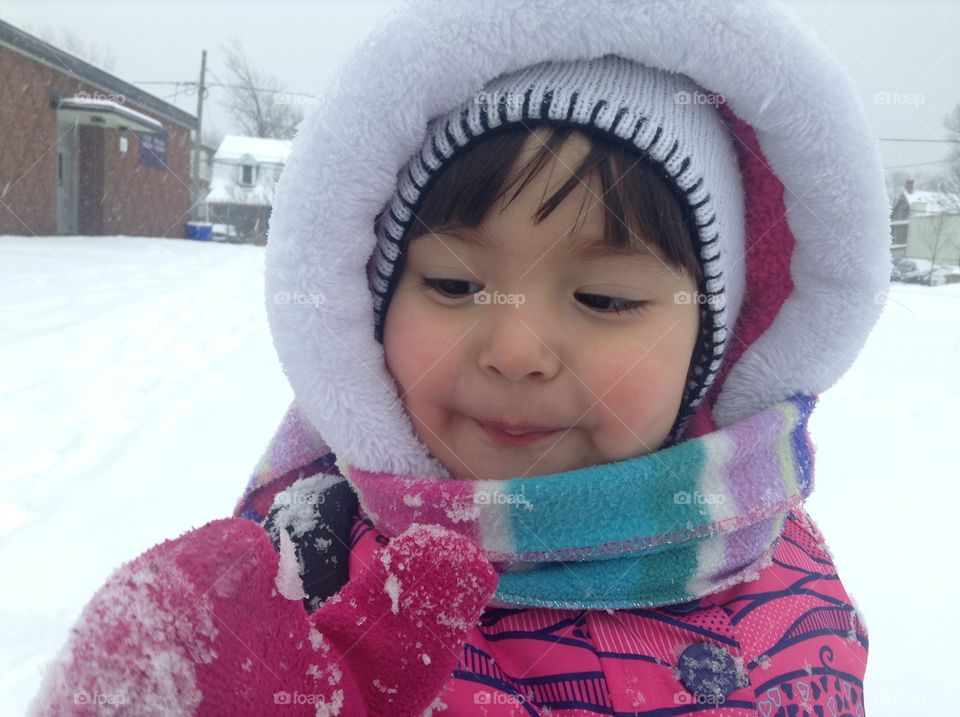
(201, 231)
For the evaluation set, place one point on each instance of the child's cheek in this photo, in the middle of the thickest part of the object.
(399, 343)
(640, 402)
(414, 343)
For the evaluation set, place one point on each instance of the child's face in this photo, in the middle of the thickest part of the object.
(555, 354)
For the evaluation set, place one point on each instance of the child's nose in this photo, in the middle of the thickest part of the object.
(518, 342)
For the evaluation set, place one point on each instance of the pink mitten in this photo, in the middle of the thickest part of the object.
(197, 626)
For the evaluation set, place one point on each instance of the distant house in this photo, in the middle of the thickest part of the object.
(926, 225)
(82, 151)
(245, 173)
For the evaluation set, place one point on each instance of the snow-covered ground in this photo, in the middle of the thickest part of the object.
(138, 387)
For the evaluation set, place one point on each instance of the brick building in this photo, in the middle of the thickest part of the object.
(82, 151)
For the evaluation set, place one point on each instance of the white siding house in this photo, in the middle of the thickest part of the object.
(926, 225)
(245, 173)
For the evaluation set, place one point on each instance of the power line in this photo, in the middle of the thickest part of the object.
(215, 76)
(193, 84)
(221, 83)
(918, 164)
(901, 139)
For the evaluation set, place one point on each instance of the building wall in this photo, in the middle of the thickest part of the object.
(143, 200)
(940, 232)
(28, 151)
(118, 195)
(899, 229)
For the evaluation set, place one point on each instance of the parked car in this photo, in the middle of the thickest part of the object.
(917, 271)
(226, 232)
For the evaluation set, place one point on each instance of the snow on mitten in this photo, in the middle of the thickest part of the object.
(197, 626)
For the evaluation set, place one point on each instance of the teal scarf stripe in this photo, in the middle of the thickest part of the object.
(653, 488)
(692, 489)
(661, 578)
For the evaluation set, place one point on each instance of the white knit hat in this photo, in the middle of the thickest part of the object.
(664, 117)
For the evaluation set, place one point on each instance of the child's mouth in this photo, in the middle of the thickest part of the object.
(516, 436)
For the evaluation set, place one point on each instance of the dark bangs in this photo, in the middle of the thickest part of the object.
(643, 209)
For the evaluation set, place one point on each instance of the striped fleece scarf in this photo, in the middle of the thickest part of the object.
(658, 529)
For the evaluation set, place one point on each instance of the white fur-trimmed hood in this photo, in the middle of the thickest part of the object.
(428, 56)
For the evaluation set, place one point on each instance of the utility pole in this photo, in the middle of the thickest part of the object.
(198, 138)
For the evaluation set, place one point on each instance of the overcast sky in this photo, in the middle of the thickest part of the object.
(908, 47)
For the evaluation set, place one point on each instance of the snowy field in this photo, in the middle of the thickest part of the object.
(139, 386)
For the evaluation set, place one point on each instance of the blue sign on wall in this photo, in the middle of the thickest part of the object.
(153, 149)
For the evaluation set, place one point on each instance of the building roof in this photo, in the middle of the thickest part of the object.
(72, 66)
(932, 202)
(262, 150)
(111, 114)
(238, 149)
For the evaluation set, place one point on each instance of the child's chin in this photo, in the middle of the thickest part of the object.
(504, 473)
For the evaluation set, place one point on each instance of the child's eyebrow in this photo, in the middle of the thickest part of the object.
(598, 247)
(584, 246)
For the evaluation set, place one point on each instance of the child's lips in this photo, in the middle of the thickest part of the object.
(516, 435)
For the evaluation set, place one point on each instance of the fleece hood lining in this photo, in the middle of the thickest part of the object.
(811, 133)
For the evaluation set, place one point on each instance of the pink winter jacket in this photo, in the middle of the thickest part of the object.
(541, 661)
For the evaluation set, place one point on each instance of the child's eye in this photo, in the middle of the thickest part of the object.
(448, 287)
(458, 288)
(608, 304)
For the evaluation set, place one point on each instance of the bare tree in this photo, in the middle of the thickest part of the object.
(98, 55)
(939, 229)
(942, 237)
(896, 179)
(259, 103)
(950, 181)
(212, 137)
